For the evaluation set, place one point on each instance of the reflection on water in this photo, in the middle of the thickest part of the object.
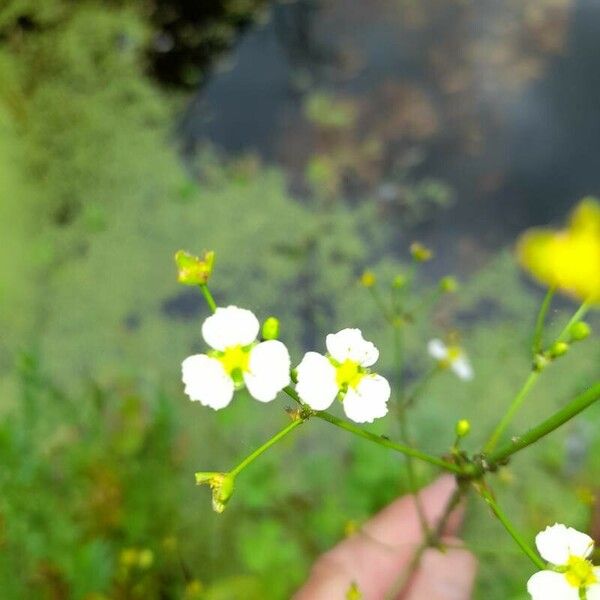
(494, 104)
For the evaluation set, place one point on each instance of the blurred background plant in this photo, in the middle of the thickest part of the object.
(303, 141)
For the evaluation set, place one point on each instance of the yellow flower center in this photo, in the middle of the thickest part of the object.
(580, 572)
(453, 354)
(348, 374)
(235, 359)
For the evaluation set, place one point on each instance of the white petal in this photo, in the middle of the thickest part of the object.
(369, 401)
(556, 543)
(207, 381)
(231, 326)
(462, 367)
(349, 343)
(593, 591)
(269, 370)
(548, 585)
(437, 349)
(316, 381)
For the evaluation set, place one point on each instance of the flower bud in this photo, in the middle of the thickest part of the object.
(399, 281)
(193, 270)
(462, 428)
(222, 488)
(579, 331)
(145, 559)
(270, 329)
(448, 284)
(368, 279)
(540, 362)
(420, 253)
(558, 349)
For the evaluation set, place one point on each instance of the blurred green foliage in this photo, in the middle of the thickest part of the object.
(98, 442)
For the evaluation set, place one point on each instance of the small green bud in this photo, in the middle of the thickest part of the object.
(270, 329)
(420, 253)
(463, 427)
(558, 349)
(448, 284)
(368, 279)
(579, 331)
(145, 558)
(540, 362)
(193, 270)
(399, 281)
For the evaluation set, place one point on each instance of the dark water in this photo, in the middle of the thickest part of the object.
(515, 101)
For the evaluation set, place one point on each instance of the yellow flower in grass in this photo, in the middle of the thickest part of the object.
(568, 259)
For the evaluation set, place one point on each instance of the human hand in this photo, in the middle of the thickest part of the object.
(376, 557)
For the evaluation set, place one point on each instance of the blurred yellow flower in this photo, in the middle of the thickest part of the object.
(568, 259)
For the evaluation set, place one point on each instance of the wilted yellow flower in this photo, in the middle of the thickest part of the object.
(568, 259)
(221, 485)
(193, 270)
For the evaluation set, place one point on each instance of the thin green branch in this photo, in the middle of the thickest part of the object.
(385, 442)
(208, 297)
(572, 409)
(398, 589)
(271, 442)
(510, 528)
(413, 485)
(382, 441)
(512, 410)
(533, 376)
(540, 321)
(579, 314)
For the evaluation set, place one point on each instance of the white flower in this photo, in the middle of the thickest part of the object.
(236, 360)
(452, 357)
(567, 550)
(344, 371)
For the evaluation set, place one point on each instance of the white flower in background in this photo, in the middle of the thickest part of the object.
(236, 360)
(451, 357)
(567, 550)
(344, 371)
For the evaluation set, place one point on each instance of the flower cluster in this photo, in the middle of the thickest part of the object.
(570, 574)
(237, 360)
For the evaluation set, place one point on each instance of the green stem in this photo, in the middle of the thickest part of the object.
(510, 413)
(387, 315)
(413, 485)
(533, 376)
(421, 385)
(541, 319)
(208, 297)
(254, 455)
(386, 443)
(579, 314)
(510, 528)
(406, 450)
(398, 589)
(293, 394)
(572, 409)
